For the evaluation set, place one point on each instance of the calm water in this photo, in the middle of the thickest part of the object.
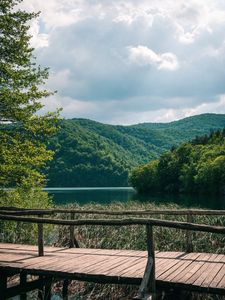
(62, 196)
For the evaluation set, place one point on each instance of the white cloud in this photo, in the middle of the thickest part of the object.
(38, 40)
(59, 80)
(71, 107)
(145, 56)
(168, 62)
(128, 61)
(207, 107)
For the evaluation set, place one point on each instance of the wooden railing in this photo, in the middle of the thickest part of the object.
(148, 283)
(189, 213)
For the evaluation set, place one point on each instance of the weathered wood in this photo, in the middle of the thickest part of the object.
(143, 292)
(65, 289)
(189, 234)
(116, 270)
(48, 288)
(151, 253)
(112, 266)
(41, 288)
(16, 290)
(148, 285)
(3, 284)
(20, 211)
(119, 222)
(73, 240)
(72, 232)
(23, 283)
(40, 295)
(40, 239)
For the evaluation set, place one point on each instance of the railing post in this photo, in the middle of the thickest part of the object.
(151, 254)
(23, 281)
(3, 285)
(73, 241)
(48, 288)
(147, 288)
(72, 232)
(40, 239)
(189, 244)
(65, 289)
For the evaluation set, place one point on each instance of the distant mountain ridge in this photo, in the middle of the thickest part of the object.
(89, 153)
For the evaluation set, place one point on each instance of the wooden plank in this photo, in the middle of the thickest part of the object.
(210, 271)
(83, 251)
(167, 264)
(212, 275)
(87, 265)
(32, 248)
(204, 271)
(201, 270)
(170, 254)
(124, 269)
(138, 271)
(94, 268)
(219, 276)
(201, 263)
(187, 260)
(220, 258)
(44, 263)
(76, 265)
(54, 264)
(12, 257)
(221, 284)
(175, 270)
(191, 271)
(160, 262)
(49, 259)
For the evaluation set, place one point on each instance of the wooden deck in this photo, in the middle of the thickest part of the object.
(203, 272)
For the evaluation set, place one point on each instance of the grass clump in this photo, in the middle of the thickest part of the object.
(18, 232)
(134, 236)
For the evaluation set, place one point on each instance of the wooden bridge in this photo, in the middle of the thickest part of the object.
(152, 270)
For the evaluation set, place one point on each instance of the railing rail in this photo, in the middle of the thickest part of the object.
(25, 211)
(118, 222)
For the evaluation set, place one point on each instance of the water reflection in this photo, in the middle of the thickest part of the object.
(62, 196)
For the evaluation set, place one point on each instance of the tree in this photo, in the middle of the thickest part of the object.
(23, 134)
(168, 171)
(145, 178)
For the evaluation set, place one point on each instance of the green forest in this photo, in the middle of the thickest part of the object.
(88, 153)
(193, 167)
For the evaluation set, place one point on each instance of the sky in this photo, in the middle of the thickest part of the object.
(133, 61)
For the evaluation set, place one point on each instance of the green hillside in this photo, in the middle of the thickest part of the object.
(88, 153)
(192, 167)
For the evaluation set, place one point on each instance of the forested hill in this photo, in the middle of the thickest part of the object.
(89, 153)
(192, 167)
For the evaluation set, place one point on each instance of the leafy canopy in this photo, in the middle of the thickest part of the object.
(89, 153)
(23, 134)
(193, 167)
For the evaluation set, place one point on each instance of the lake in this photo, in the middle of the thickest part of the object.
(62, 196)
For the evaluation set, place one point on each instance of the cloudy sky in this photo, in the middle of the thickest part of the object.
(132, 61)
